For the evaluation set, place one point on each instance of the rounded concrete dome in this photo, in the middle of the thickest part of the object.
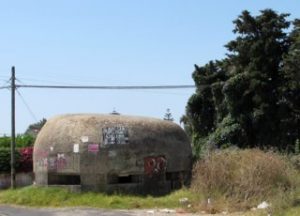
(112, 152)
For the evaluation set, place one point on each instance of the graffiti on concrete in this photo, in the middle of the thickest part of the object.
(76, 148)
(84, 139)
(39, 153)
(61, 162)
(55, 163)
(93, 148)
(115, 135)
(42, 158)
(52, 163)
(155, 165)
(42, 162)
(46, 160)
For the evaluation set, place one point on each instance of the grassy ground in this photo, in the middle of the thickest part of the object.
(58, 197)
(292, 212)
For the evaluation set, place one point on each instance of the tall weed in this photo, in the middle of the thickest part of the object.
(244, 178)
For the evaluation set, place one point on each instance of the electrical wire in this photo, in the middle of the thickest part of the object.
(107, 87)
(6, 81)
(27, 106)
(4, 87)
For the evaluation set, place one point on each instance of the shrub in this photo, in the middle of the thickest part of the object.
(5, 142)
(21, 141)
(5, 160)
(295, 160)
(25, 163)
(23, 158)
(244, 177)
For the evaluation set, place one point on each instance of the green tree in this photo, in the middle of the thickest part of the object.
(206, 106)
(241, 100)
(252, 90)
(289, 101)
(168, 116)
(34, 128)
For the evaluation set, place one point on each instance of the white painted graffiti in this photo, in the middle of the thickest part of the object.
(115, 135)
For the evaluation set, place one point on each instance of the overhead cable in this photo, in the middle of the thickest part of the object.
(107, 87)
(4, 87)
(27, 106)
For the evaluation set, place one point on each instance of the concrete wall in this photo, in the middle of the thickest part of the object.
(22, 179)
(112, 153)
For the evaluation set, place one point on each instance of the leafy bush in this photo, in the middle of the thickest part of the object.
(25, 163)
(245, 178)
(228, 131)
(295, 159)
(24, 141)
(5, 142)
(21, 141)
(5, 160)
(23, 158)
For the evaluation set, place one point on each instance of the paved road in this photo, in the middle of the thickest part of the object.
(22, 211)
(6, 210)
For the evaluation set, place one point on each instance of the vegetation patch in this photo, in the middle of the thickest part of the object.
(227, 180)
(249, 99)
(59, 197)
(23, 158)
(242, 179)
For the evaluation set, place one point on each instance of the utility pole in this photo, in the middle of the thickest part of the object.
(13, 130)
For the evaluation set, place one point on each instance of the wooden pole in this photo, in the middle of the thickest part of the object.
(13, 130)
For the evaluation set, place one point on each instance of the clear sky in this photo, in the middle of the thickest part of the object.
(115, 42)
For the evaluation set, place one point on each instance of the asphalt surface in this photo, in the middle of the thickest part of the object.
(22, 211)
(6, 210)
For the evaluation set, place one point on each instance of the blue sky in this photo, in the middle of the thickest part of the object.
(115, 42)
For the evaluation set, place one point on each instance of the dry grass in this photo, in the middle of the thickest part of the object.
(241, 179)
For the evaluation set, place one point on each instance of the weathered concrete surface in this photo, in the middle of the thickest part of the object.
(112, 153)
(22, 179)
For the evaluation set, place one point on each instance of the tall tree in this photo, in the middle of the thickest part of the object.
(34, 128)
(168, 115)
(249, 98)
(289, 101)
(201, 116)
(252, 91)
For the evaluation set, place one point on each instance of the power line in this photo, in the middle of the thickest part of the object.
(107, 87)
(5, 83)
(4, 87)
(27, 106)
